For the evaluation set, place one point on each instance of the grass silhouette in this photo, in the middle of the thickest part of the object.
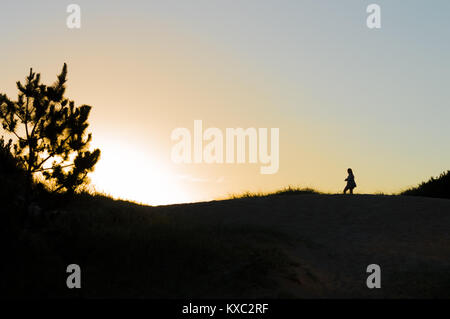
(289, 190)
(438, 187)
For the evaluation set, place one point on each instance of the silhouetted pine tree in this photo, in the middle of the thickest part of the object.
(50, 133)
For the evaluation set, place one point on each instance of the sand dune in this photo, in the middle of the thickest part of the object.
(331, 239)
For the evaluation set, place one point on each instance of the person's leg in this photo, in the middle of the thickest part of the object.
(345, 189)
(351, 190)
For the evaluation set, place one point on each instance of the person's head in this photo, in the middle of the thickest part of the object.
(350, 171)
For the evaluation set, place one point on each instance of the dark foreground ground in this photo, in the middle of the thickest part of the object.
(291, 246)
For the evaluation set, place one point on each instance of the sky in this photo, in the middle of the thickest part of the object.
(342, 95)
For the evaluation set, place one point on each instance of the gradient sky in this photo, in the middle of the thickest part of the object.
(342, 95)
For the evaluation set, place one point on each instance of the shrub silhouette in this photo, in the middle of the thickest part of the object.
(434, 187)
(49, 133)
(8, 165)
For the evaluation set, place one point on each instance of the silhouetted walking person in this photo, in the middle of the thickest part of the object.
(350, 182)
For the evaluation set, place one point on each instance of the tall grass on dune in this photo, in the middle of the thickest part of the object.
(289, 190)
(438, 187)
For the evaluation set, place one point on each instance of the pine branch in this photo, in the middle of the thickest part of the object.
(52, 154)
(49, 168)
(12, 131)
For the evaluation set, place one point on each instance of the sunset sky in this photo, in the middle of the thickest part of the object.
(342, 95)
